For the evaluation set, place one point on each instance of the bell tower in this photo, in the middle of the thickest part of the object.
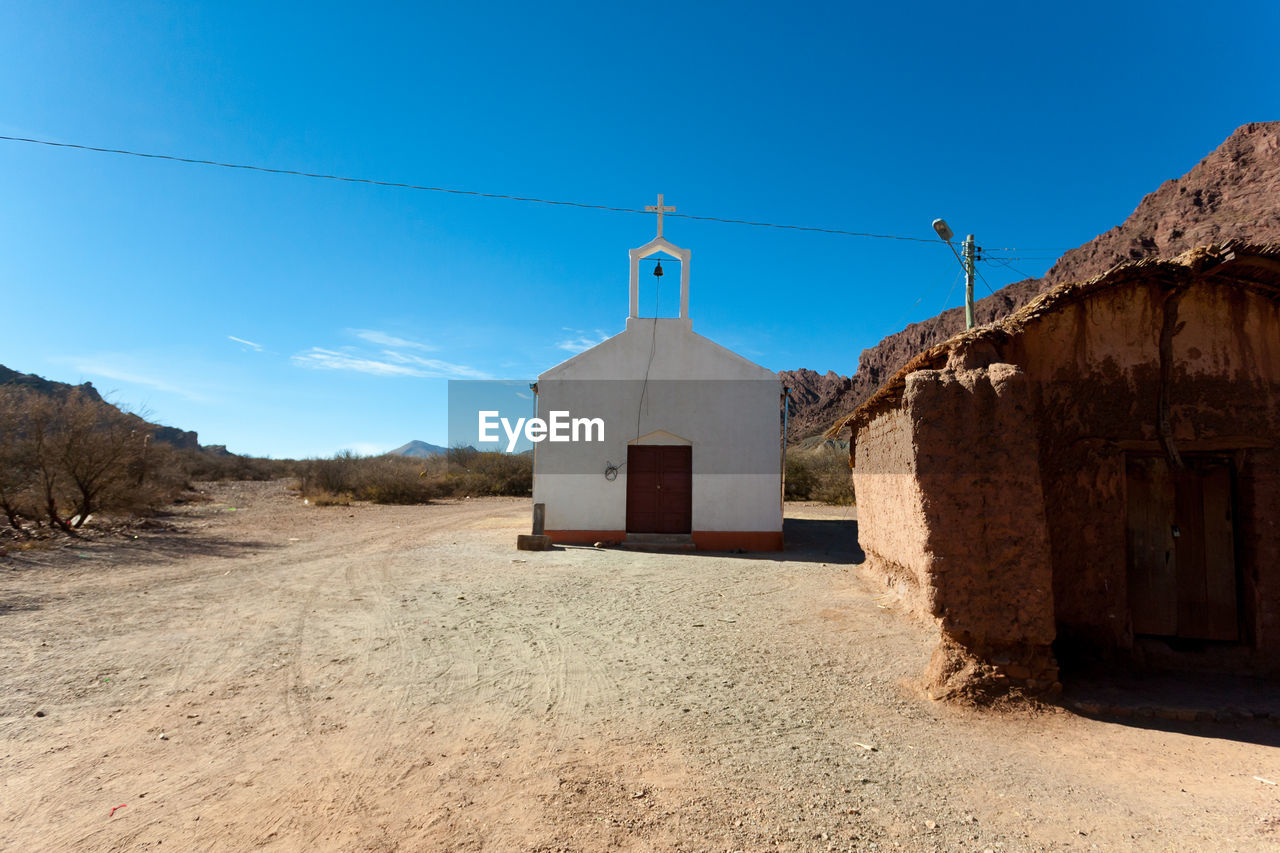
(653, 247)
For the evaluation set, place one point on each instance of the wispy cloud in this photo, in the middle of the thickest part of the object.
(386, 363)
(107, 371)
(582, 341)
(436, 367)
(382, 339)
(250, 344)
(327, 359)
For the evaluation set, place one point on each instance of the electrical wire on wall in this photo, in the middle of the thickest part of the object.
(611, 470)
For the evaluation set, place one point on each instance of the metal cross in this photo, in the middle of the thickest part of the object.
(659, 209)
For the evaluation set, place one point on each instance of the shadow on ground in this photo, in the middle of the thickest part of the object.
(806, 540)
(151, 548)
(1195, 703)
(809, 540)
(19, 603)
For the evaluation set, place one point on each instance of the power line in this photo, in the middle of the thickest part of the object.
(1024, 258)
(454, 191)
(984, 281)
(1004, 263)
(1036, 249)
(920, 298)
(947, 301)
(957, 254)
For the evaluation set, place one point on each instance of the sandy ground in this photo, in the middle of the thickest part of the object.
(268, 675)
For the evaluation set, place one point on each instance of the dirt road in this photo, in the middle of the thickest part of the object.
(269, 675)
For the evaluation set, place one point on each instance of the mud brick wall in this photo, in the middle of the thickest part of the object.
(978, 468)
(892, 530)
(993, 495)
(1095, 372)
(951, 513)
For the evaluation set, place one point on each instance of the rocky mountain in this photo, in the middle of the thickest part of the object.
(418, 448)
(816, 400)
(1232, 193)
(179, 438)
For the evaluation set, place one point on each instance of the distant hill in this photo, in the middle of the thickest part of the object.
(418, 448)
(1232, 193)
(179, 438)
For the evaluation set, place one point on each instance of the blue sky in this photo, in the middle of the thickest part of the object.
(293, 317)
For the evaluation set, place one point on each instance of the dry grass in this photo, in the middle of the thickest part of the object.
(819, 472)
(410, 480)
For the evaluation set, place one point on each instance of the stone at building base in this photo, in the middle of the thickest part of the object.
(726, 541)
(974, 674)
(532, 542)
(659, 542)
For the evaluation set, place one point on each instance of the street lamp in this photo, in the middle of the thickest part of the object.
(944, 231)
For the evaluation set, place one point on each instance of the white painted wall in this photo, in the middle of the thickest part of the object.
(698, 392)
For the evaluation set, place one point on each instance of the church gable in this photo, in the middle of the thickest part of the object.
(677, 353)
(658, 347)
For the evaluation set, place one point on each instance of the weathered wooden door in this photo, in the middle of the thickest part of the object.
(1181, 543)
(659, 489)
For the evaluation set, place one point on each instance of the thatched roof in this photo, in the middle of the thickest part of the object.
(1253, 267)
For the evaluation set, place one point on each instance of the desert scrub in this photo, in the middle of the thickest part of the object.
(462, 472)
(819, 473)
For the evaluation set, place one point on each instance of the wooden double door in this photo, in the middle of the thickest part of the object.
(659, 488)
(1182, 574)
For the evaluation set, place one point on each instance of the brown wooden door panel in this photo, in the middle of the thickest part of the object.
(1188, 510)
(1222, 617)
(1153, 585)
(642, 489)
(677, 489)
(659, 489)
(1181, 549)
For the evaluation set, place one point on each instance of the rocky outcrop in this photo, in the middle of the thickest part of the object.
(45, 386)
(816, 400)
(1232, 193)
(179, 438)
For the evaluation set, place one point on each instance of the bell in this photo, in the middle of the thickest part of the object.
(657, 270)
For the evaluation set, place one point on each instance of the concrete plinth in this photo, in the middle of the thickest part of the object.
(533, 542)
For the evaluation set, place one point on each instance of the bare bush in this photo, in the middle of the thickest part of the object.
(217, 464)
(380, 479)
(412, 480)
(475, 473)
(65, 457)
(95, 446)
(819, 474)
(18, 476)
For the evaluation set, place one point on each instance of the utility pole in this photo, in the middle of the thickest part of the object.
(968, 281)
(966, 260)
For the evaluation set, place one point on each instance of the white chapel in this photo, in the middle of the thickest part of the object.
(691, 450)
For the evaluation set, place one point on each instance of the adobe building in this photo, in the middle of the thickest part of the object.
(1095, 478)
(691, 455)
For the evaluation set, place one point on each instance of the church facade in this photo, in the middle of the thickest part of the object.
(691, 450)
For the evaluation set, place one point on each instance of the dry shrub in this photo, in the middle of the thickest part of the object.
(218, 464)
(323, 498)
(470, 472)
(379, 479)
(66, 457)
(414, 480)
(395, 480)
(819, 473)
